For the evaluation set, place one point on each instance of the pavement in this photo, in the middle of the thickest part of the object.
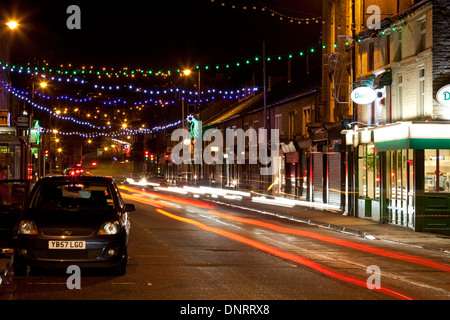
(323, 218)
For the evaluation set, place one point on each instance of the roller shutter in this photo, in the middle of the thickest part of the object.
(334, 179)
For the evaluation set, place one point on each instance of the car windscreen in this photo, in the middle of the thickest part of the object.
(76, 196)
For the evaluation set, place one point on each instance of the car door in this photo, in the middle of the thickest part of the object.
(13, 194)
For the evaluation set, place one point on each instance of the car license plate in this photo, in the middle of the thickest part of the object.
(63, 244)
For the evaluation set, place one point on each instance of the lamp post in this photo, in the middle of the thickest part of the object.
(186, 73)
(6, 33)
(29, 158)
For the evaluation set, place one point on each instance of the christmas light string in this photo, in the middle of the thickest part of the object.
(225, 94)
(123, 132)
(17, 94)
(79, 75)
(23, 96)
(273, 12)
(208, 95)
(61, 74)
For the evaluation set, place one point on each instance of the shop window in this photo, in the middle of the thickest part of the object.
(368, 172)
(400, 191)
(437, 170)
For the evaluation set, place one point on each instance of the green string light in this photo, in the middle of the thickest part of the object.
(143, 72)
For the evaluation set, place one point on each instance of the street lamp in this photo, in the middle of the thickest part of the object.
(12, 24)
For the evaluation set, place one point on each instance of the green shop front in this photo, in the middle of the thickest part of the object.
(403, 174)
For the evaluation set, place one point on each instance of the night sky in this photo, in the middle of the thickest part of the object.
(157, 33)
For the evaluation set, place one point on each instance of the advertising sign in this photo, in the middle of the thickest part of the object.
(443, 96)
(363, 95)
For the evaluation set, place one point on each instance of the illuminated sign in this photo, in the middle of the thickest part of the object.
(443, 96)
(4, 149)
(363, 95)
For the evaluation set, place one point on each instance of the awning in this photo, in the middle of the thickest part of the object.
(382, 80)
(402, 135)
(288, 147)
(407, 135)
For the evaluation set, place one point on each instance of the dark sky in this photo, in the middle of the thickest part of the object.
(157, 33)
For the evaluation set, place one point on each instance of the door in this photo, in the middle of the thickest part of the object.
(411, 195)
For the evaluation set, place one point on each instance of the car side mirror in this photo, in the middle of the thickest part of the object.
(128, 207)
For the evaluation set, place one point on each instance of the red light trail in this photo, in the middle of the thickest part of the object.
(289, 256)
(292, 257)
(345, 243)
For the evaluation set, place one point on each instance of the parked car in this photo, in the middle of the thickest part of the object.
(73, 220)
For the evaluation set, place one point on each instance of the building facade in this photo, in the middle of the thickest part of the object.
(400, 142)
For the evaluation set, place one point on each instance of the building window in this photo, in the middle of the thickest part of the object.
(398, 54)
(256, 127)
(421, 110)
(370, 57)
(437, 170)
(400, 98)
(388, 49)
(306, 119)
(245, 130)
(423, 35)
(291, 125)
(278, 122)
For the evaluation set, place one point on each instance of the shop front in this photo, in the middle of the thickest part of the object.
(403, 175)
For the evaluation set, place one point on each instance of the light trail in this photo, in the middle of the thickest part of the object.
(140, 199)
(285, 255)
(312, 235)
(345, 243)
(171, 198)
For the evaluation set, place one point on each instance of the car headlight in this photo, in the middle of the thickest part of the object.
(27, 227)
(109, 228)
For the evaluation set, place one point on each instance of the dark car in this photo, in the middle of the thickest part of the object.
(73, 220)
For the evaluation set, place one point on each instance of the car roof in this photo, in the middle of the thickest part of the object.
(104, 179)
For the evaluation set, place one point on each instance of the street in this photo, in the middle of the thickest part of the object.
(183, 248)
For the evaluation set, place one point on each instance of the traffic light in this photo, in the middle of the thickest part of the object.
(46, 154)
(152, 158)
(146, 155)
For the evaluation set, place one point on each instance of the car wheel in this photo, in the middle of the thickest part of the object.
(121, 269)
(20, 269)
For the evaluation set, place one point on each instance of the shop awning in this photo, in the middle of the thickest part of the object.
(402, 135)
(407, 135)
(382, 80)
